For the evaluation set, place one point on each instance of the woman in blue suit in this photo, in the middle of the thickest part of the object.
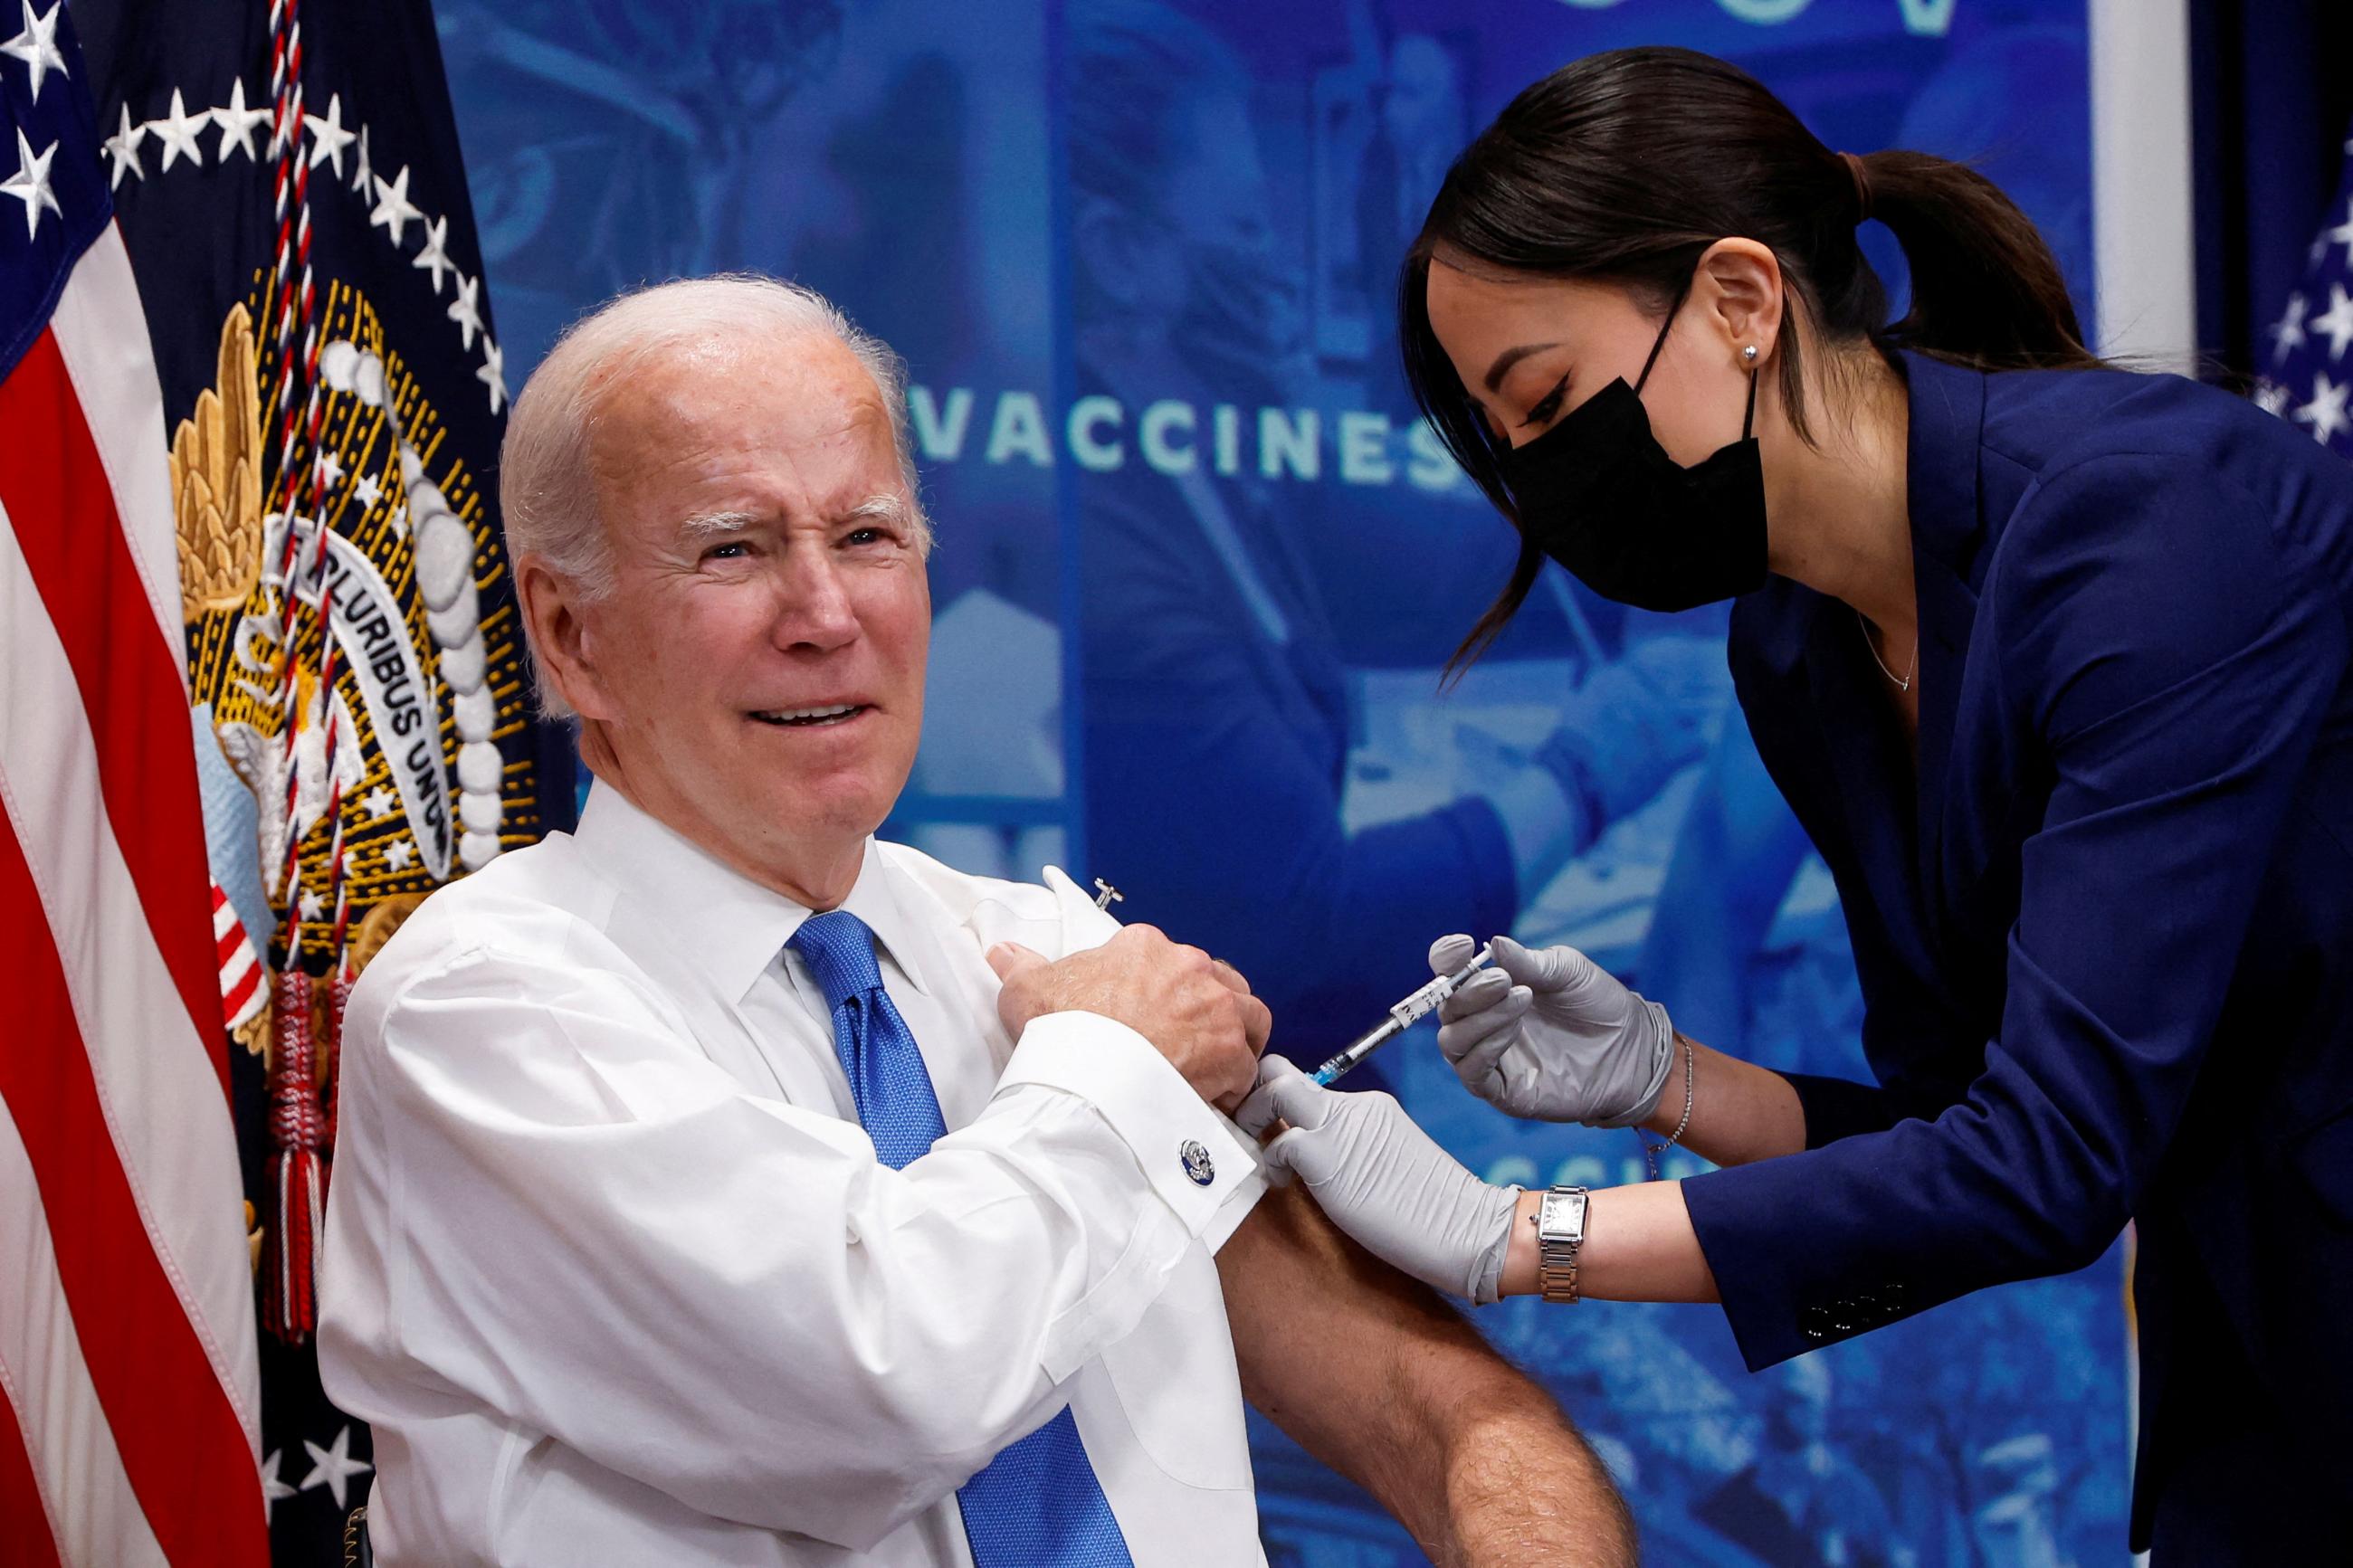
(2052, 661)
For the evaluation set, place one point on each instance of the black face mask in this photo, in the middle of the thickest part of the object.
(1599, 495)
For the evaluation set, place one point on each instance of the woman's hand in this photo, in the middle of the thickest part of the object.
(1548, 1034)
(1384, 1181)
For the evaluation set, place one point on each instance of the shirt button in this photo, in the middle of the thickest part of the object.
(1196, 1162)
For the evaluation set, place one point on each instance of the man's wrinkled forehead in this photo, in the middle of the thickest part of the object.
(683, 379)
(765, 395)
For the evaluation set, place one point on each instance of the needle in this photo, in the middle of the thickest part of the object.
(1402, 1016)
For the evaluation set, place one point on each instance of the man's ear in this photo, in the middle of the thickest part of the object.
(553, 608)
(1738, 290)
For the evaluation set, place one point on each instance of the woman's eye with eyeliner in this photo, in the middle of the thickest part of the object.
(1547, 405)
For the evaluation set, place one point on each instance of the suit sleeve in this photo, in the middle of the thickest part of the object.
(2174, 661)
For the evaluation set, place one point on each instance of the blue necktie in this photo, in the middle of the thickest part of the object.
(1037, 1504)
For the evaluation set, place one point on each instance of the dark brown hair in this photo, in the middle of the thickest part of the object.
(1626, 166)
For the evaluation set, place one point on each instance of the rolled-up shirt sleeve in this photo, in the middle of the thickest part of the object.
(550, 1203)
(2175, 664)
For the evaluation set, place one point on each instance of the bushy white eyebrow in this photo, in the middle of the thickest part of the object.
(714, 525)
(884, 507)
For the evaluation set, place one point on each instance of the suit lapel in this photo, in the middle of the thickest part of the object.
(1944, 454)
(1863, 748)
(1947, 608)
(1848, 773)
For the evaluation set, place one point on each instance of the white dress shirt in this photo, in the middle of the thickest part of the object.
(613, 1271)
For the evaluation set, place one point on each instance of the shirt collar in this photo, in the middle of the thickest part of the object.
(733, 927)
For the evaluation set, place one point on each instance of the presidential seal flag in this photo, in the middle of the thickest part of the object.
(128, 1359)
(294, 208)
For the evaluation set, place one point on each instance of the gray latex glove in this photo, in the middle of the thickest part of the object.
(1384, 1181)
(1550, 1035)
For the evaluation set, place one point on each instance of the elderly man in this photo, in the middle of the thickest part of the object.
(718, 1185)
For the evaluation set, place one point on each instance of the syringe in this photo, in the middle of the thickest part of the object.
(1402, 1016)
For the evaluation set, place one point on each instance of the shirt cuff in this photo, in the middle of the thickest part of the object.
(1197, 1163)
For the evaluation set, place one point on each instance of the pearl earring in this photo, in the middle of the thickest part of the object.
(1748, 354)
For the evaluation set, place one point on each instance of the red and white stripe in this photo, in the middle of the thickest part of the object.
(127, 1351)
(241, 987)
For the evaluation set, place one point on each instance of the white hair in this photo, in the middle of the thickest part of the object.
(546, 488)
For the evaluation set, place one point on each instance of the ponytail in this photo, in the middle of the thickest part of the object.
(1986, 290)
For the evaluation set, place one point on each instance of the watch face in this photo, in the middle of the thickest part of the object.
(1562, 1215)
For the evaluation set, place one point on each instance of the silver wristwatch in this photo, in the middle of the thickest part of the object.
(1560, 1235)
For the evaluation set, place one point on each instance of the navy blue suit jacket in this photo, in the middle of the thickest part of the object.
(2104, 927)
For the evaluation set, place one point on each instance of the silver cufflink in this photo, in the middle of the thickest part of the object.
(1196, 1162)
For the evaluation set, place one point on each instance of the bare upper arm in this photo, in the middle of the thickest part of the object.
(1319, 1323)
(1377, 1377)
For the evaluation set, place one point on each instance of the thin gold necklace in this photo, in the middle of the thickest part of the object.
(1903, 682)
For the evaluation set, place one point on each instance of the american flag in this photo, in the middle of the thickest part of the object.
(2304, 377)
(128, 1357)
(287, 186)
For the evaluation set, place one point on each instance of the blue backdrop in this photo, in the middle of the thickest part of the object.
(1199, 566)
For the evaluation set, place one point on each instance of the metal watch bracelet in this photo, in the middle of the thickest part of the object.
(1559, 1220)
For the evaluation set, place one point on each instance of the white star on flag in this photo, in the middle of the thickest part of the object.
(493, 374)
(328, 137)
(122, 147)
(366, 491)
(30, 185)
(37, 45)
(2337, 323)
(394, 210)
(2287, 333)
(334, 1467)
(2341, 234)
(178, 131)
(434, 257)
(466, 313)
(311, 905)
(398, 854)
(2326, 411)
(2297, 362)
(272, 1489)
(237, 123)
(331, 470)
(378, 801)
(362, 175)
